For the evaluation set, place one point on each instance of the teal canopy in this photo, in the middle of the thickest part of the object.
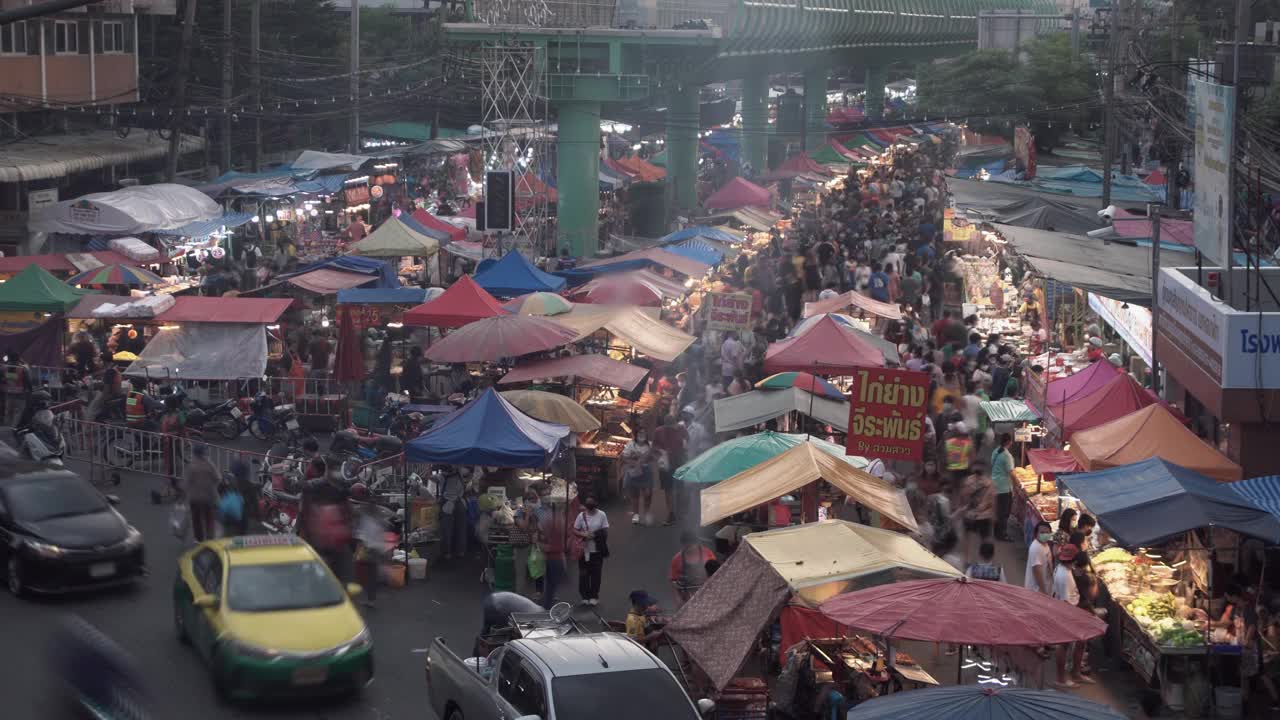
(733, 456)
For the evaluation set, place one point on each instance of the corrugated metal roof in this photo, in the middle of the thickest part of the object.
(54, 156)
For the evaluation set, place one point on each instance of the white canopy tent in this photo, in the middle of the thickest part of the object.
(205, 351)
(128, 211)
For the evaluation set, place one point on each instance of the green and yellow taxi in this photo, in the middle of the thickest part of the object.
(270, 618)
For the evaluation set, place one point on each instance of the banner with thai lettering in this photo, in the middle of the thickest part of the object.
(957, 229)
(728, 311)
(887, 410)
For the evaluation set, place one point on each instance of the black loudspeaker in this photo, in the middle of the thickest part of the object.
(481, 226)
(499, 200)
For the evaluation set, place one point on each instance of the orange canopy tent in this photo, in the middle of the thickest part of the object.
(1147, 433)
(642, 169)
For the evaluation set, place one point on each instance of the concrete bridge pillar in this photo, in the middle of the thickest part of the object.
(578, 177)
(815, 105)
(875, 80)
(682, 149)
(755, 122)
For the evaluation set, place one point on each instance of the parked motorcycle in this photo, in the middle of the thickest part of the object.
(357, 450)
(41, 440)
(222, 418)
(268, 421)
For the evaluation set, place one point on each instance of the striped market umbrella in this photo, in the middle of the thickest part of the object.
(802, 380)
(539, 303)
(117, 275)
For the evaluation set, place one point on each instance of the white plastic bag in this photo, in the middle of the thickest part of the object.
(180, 520)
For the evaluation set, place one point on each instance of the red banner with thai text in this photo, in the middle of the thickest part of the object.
(887, 410)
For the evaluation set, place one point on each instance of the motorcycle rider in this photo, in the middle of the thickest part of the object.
(138, 407)
(42, 440)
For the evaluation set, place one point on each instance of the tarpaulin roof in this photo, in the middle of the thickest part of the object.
(395, 239)
(431, 222)
(698, 249)
(499, 337)
(760, 406)
(982, 702)
(1151, 432)
(1145, 502)
(668, 287)
(854, 303)
(488, 431)
(656, 256)
(354, 263)
(194, 308)
(828, 348)
(414, 225)
(1008, 410)
(792, 470)
(35, 290)
(632, 325)
(599, 369)
(1048, 460)
(1261, 491)
(45, 157)
(737, 193)
(1023, 207)
(832, 551)
(1177, 232)
(204, 228)
(695, 231)
(799, 164)
(643, 170)
(514, 275)
(60, 262)
(1081, 384)
(205, 352)
(128, 211)
(1116, 399)
(382, 296)
(743, 453)
(317, 160)
(463, 302)
(327, 281)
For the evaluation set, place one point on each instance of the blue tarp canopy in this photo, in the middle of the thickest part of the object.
(697, 231)
(697, 249)
(1261, 491)
(382, 296)
(205, 228)
(1152, 500)
(354, 263)
(578, 276)
(488, 431)
(514, 275)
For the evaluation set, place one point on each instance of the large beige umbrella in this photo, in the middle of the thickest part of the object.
(551, 407)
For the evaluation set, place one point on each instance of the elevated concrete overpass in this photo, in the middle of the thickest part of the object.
(612, 51)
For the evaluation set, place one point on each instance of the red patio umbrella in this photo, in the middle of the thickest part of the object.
(495, 338)
(963, 611)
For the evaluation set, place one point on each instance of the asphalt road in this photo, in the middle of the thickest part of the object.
(403, 624)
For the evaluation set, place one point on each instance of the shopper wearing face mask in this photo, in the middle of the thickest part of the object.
(1039, 575)
(592, 525)
(526, 522)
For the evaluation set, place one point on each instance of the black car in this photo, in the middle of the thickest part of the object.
(59, 534)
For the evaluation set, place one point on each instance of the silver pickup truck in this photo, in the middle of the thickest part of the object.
(575, 677)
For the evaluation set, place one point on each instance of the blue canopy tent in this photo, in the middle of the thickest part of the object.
(205, 228)
(437, 235)
(488, 431)
(1152, 500)
(1261, 491)
(514, 275)
(696, 231)
(354, 263)
(382, 296)
(578, 276)
(697, 249)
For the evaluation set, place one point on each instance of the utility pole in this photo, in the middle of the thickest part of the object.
(1172, 191)
(1242, 29)
(354, 142)
(1108, 108)
(228, 77)
(1075, 32)
(255, 79)
(180, 90)
(1128, 17)
(1153, 212)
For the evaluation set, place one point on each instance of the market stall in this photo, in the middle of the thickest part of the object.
(514, 275)
(792, 569)
(828, 347)
(743, 453)
(462, 302)
(1172, 527)
(855, 304)
(1147, 433)
(1035, 488)
(637, 329)
(499, 338)
(760, 406)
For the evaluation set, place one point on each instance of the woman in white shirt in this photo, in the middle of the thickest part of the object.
(592, 525)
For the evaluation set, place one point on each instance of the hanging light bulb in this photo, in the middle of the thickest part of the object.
(271, 218)
(256, 219)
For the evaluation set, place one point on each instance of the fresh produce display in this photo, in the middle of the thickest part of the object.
(1176, 633)
(1152, 606)
(1112, 555)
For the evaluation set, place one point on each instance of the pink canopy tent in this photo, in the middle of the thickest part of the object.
(1119, 397)
(1080, 385)
(827, 348)
(739, 193)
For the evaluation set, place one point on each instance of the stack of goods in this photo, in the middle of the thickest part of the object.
(1031, 482)
(134, 249)
(147, 307)
(1168, 620)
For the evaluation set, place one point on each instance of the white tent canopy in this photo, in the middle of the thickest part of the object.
(129, 211)
(205, 351)
(760, 406)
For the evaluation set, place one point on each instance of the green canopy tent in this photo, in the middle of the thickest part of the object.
(733, 456)
(35, 290)
(394, 238)
(828, 155)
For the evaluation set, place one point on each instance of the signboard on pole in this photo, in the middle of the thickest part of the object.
(728, 311)
(887, 410)
(1215, 124)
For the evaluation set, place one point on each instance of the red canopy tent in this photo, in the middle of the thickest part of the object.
(644, 170)
(798, 164)
(1079, 385)
(739, 193)
(464, 302)
(1050, 461)
(427, 220)
(1116, 399)
(530, 187)
(827, 348)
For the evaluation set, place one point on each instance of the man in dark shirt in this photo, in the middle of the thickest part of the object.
(671, 439)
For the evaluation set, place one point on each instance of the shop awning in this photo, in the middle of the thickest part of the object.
(632, 325)
(855, 304)
(1149, 501)
(463, 302)
(326, 281)
(128, 211)
(860, 328)
(702, 231)
(1080, 385)
(760, 406)
(599, 369)
(194, 308)
(395, 239)
(55, 156)
(1048, 460)
(1151, 432)
(488, 431)
(379, 269)
(1008, 410)
(791, 471)
(315, 160)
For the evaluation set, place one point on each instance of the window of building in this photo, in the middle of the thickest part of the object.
(13, 38)
(66, 37)
(113, 37)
